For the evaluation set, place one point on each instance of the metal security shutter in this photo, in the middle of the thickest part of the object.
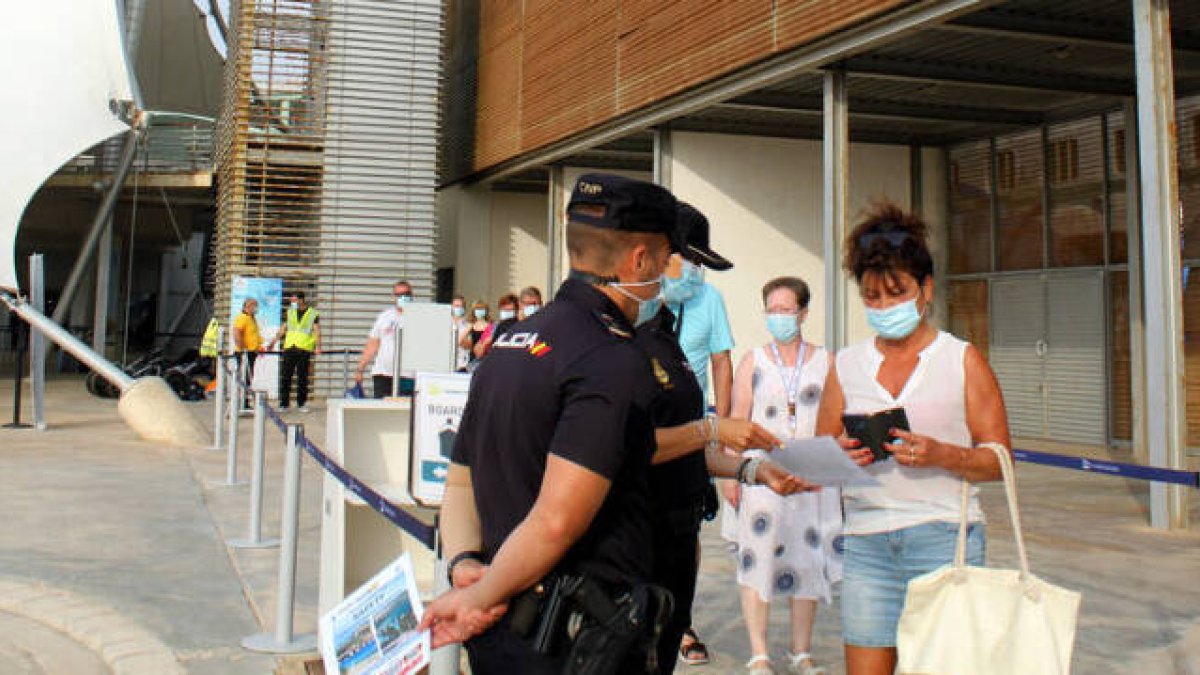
(1018, 310)
(1075, 358)
(383, 75)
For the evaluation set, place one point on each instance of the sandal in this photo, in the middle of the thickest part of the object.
(692, 651)
(802, 664)
(759, 665)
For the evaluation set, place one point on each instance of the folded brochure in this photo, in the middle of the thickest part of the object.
(374, 630)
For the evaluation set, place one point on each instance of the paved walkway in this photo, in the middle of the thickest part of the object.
(113, 559)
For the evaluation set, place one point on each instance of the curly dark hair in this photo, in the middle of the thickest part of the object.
(887, 241)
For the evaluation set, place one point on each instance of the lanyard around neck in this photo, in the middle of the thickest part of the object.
(792, 385)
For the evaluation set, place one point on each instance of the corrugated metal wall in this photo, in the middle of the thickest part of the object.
(377, 218)
(550, 69)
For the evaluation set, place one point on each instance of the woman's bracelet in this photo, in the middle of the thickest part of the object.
(714, 436)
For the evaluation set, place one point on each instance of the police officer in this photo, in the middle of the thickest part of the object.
(689, 450)
(301, 334)
(548, 475)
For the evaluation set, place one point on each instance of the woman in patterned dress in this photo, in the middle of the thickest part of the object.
(786, 546)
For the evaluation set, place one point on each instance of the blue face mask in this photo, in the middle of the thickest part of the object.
(689, 283)
(530, 310)
(648, 308)
(783, 327)
(896, 322)
(480, 313)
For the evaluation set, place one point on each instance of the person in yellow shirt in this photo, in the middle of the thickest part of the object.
(246, 340)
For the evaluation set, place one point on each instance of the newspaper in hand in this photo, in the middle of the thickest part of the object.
(374, 630)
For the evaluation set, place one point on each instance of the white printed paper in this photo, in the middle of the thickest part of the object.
(373, 631)
(822, 461)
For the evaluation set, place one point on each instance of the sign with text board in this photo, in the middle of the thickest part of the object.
(437, 410)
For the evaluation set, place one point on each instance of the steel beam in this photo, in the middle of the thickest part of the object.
(1166, 428)
(836, 183)
(1005, 24)
(37, 341)
(662, 157)
(99, 224)
(888, 111)
(888, 68)
(555, 233)
(1133, 237)
(103, 285)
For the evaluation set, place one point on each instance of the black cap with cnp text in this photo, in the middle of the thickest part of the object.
(693, 232)
(624, 204)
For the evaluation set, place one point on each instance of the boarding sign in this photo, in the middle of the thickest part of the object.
(437, 410)
(374, 630)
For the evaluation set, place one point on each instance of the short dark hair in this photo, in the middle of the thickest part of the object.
(794, 284)
(459, 296)
(299, 294)
(889, 240)
(507, 299)
(402, 282)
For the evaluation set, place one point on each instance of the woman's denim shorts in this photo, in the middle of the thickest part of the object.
(878, 568)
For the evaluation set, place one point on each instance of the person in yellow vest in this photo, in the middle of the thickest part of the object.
(247, 342)
(209, 346)
(301, 335)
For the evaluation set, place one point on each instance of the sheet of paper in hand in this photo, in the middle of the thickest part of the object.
(373, 631)
(822, 461)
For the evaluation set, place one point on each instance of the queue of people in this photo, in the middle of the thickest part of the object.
(581, 470)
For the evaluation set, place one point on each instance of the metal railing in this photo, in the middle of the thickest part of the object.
(172, 144)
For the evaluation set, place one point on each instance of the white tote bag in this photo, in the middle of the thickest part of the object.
(961, 620)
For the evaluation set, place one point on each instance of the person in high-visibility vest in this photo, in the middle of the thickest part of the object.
(301, 335)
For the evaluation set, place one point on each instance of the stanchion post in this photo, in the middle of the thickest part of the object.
(220, 363)
(235, 404)
(282, 641)
(37, 342)
(345, 370)
(254, 528)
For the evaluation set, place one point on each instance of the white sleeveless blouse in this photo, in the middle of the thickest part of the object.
(934, 398)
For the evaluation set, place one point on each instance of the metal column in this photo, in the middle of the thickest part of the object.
(103, 285)
(555, 233)
(37, 341)
(662, 157)
(1133, 235)
(836, 174)
(1166, 431)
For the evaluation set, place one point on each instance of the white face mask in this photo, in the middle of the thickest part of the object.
(647, 307)
(530, 310)
(295, 307)
(506, 314)
(402, 300)
(458, 311)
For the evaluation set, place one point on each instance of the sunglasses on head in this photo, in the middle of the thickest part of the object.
(894, 238)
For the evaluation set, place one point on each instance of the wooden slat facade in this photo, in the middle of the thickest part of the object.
(550, 69)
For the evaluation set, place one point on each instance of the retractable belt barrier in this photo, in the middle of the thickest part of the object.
(426, 534)
(1120, 469)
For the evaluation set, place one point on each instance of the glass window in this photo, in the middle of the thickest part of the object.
(970, 228)
(1020, 201)
(1076, 194)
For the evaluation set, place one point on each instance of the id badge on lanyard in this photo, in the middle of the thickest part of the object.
(791, 385)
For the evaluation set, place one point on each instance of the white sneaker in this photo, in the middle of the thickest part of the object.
(303, 410)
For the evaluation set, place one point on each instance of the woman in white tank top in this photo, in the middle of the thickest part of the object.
(907, 525)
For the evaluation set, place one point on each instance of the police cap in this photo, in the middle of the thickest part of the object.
(693, 233)
(626, 204)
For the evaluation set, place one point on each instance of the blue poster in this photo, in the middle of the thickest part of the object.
(269, 294)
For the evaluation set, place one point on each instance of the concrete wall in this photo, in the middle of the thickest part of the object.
(518, 251)
(763, 199)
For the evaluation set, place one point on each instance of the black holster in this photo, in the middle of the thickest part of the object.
(620, 634)
(606, 632)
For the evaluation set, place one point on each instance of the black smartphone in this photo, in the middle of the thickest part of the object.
(875, 429)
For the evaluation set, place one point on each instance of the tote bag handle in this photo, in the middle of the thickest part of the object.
(1010, 491)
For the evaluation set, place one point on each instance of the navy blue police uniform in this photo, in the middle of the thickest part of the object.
(678, 487)
(567, 381)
